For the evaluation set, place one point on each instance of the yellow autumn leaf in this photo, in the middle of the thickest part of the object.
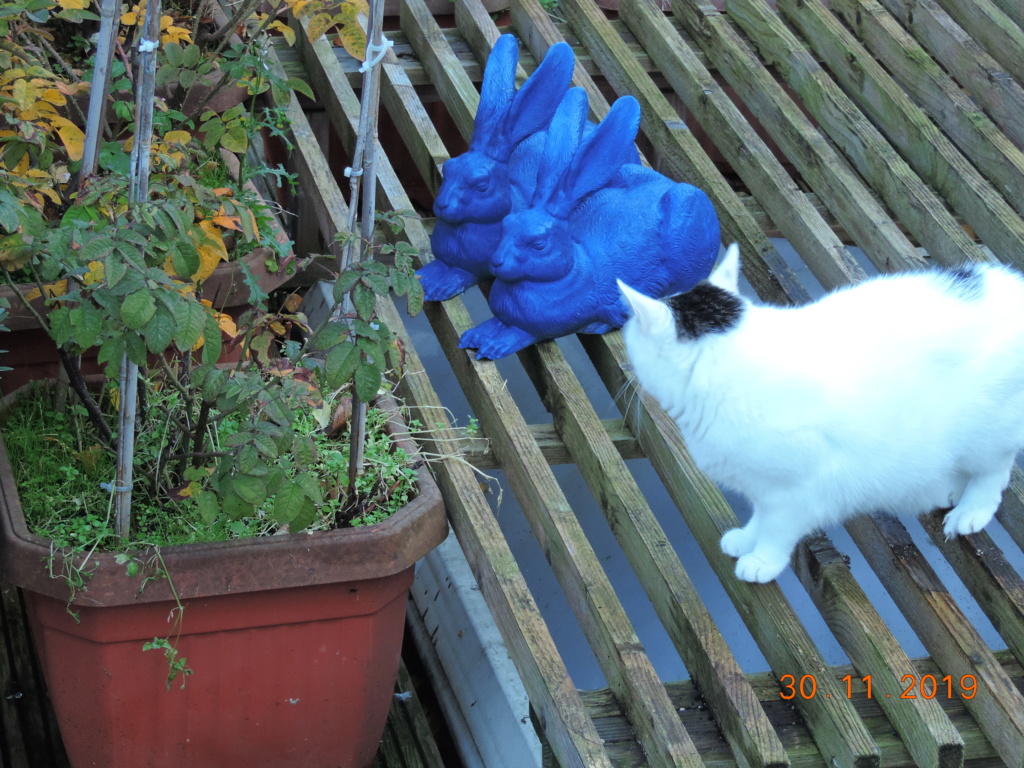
(73, 5)
(224, 221)
(73, 139)
(223, 192)
(54, 96)
(130, 19)
(211, 249)
(173, 34)
(53, 290)
(352, 38)
(226, 322)
(318, 25)
(286, 31)
(177, 137)
(95, 273)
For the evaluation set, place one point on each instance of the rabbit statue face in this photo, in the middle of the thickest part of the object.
(483, 194)
(534, 246)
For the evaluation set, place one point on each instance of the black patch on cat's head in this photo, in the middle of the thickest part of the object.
(965, 280)
(705, 309)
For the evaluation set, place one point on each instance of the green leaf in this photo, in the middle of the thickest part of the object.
(341, 364)
(346, 280)
(368, 378)
(265, 445)
(187, 78)
(88, 324)
(190, 317)
(377, 283)
(364, 301)
(211, 342)
(414, 304)
(236, 507)
(208, 506)
(311, 486)
(97, 249)
(137, 309)
(289, 502)
(304, 450)
(235, 140)
(174, 53)
(301, 86)
(159, 331)
(250, 489)
(192, 56)
(135, 348)
(114, 268)
(249, 459)
(400, 282)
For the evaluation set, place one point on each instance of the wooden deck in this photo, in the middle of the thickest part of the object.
(900, 125)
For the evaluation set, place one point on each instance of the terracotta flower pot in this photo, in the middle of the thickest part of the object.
(294, 641)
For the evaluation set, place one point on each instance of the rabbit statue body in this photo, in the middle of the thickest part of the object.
(594, 218)
(499, 171)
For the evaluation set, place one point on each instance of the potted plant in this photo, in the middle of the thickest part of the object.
(213, 599)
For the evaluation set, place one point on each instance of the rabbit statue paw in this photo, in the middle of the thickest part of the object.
(493, 339)
(441, 282)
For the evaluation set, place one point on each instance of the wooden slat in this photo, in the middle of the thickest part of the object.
(993, 30)
(926, 149)
(407, 741)
(944, 630)
(601, 616)
(501, 582)
(1011, 511)
(783, 640)
(824, 169)
(982, 76)
(477, 451)
(801, 750)
(925, 729)
(789, 208)
(992, 581)
(892, 179)
(674, 596)
(686, 159)
(939, 95)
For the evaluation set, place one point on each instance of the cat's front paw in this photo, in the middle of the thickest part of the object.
(737, 542)
(751, 567)
(965, 521)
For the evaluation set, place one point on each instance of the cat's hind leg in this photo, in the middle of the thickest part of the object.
(775, 538)
(979, 502)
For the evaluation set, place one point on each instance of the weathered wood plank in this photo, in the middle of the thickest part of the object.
(903, 191)
(980, 74)
(1011, 511)
(789, 208)
(685, 158)
(925, 729)
(822, 167)
(501, 582)
(926, 149)
(673, 594)
(944, 630)
(834, 725)
(478, 452)
(803, 754)
(993, 582)
(939, 95)
(993, 30)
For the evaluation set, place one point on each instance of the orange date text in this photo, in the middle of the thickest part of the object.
(914, 686)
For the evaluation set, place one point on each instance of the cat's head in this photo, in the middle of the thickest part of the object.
(711, 307)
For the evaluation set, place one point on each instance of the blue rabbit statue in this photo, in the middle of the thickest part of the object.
(499, 170)
(594, 217)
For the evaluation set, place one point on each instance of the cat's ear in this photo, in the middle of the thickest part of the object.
(727, 273)
(653, 316)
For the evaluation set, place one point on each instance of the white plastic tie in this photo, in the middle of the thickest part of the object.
(374, 53)
(148, 46)
(110, 487)
(350, 172)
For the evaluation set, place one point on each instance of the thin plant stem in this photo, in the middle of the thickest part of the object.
(106, 43)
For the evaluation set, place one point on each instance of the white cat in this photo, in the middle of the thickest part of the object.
(902, 394)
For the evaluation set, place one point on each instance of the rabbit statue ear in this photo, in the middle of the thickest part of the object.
(535, 103)
(496, 93)
(561, 144)
(610, 146)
